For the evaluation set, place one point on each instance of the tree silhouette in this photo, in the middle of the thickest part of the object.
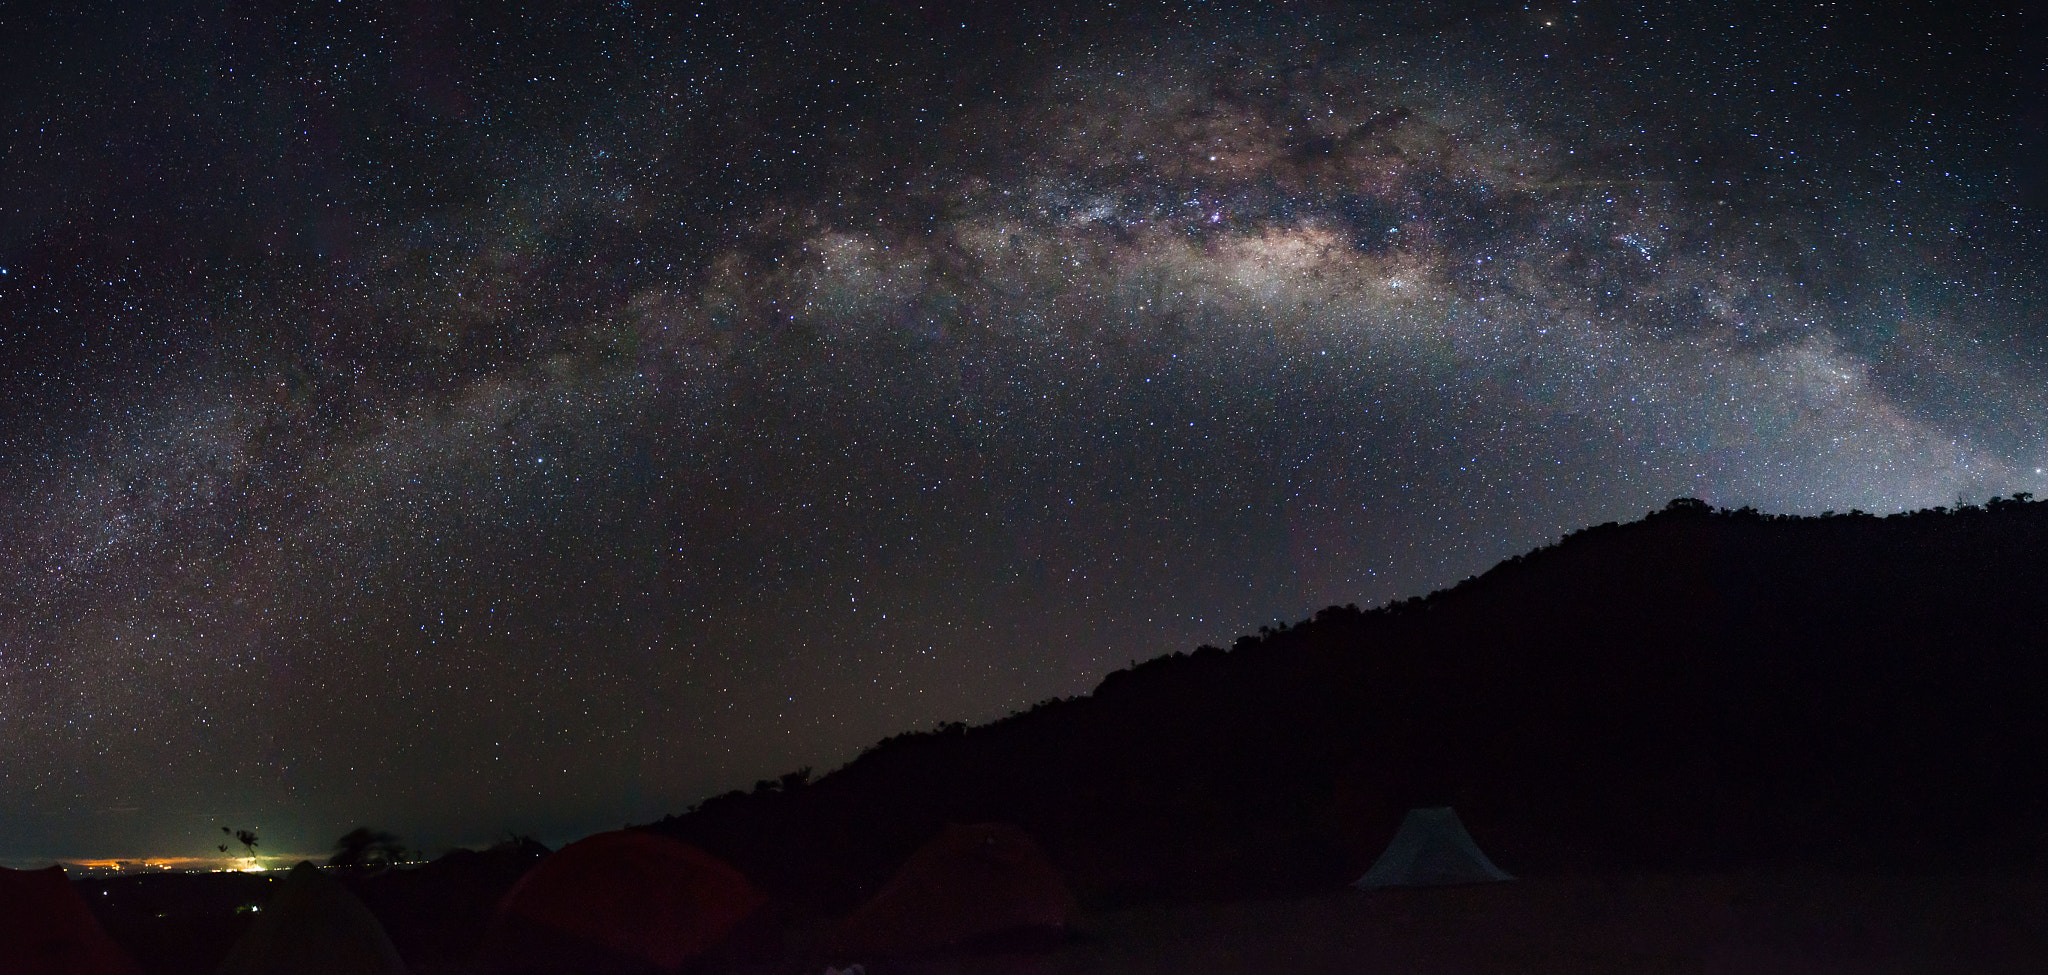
(246, 837)
(368, 849)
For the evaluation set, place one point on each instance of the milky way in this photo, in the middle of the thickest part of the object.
(464, 439)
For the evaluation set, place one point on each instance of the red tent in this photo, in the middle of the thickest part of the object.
(627, 901)
(45, 929)
(969, 884)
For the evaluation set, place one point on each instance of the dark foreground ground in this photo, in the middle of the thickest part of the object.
(1757, 923)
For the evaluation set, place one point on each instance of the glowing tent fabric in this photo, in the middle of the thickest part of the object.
(626, 901)
(314, 926)
(968, 884)
(1431, 849)
(45, 929)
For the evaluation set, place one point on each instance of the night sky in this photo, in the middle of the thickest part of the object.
(468, 421)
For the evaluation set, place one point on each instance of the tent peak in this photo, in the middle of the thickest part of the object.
(1431, 849)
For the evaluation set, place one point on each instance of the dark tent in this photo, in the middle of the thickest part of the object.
(45, 929)
(969, 884)
(1431, 849)
(314, 926)
(437, 914)
(622, 902)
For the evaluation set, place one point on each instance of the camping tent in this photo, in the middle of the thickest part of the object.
(314, 926)
(45, 929)
(440, 911)
(1431, 849)
(968, 884)
(626, 901)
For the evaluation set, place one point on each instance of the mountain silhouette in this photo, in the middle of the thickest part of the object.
(1701, 689)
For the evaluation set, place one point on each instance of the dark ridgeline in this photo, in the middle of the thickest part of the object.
(1700, 689)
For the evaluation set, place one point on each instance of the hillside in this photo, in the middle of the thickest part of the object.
(1697, 690)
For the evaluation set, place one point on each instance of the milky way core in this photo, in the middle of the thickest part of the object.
(474, 426)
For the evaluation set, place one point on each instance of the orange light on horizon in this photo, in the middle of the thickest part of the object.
(97, 864)
(240, 864)
(141, 863)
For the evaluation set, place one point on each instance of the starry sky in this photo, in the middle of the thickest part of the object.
(482, 418)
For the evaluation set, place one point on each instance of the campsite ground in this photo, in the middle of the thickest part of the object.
(1759, 923)
(1754, 924)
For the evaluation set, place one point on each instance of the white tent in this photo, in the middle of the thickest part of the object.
(1431, 849)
